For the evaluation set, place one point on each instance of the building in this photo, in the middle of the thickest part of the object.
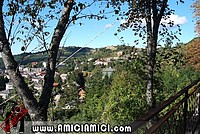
(4, 93)
(120, 53)
(9, 86)
(108, 71)
(38, 87)
(81, 95)
(100, 62)
(63, 77)
(9, 89)
(111, 48)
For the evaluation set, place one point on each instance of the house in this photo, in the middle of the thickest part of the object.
(108, 71)
(111, 48)
(9, 89)
(120, 53)
(81, 95)
(26, 70)
(25, 75)
(41, 74)
(21, 67)
(36, 70)
(56, 84)
(9, 86)
(4, 93)
(100, 62)
(115, 58)
(38, 87)
(44, 64)
(90, 59)
(56, 99)
(63, 77)
(36, 80)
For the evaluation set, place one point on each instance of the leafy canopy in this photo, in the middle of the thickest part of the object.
(196, 10)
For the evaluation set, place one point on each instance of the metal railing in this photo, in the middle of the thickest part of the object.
(177, 115)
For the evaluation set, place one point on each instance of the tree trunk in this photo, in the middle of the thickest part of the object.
(53, 51)
(37, 110)
(150, 81)
(151, 46)
(152, 38)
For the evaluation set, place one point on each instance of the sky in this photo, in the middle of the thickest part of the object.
(82, 35)
(96, 34)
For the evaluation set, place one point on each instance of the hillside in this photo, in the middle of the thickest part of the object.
(26, 58)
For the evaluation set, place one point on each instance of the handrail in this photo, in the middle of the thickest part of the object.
(152, 113)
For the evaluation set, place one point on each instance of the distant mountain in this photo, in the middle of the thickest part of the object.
(26, 58)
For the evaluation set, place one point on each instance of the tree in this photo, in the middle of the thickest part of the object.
(37, 110)
(97, 92)
(192, 53)
(125, 99)
(149, 20)
(196, 7)
(35, 26)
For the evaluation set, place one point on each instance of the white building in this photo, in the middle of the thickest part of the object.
(44, 64)
(9, 89)
(4, 93)
(9, 86)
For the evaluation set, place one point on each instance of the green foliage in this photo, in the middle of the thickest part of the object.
(97, 89)
(115, 100)
(173, 80)
(69, 97)
(121, 98)
(126, 99)
(68, 102)
(171, 72)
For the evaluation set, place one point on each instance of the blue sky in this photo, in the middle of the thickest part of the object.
(81, 35)
(86, 35)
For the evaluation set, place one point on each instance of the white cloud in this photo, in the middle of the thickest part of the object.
(123, 21)
(178, 20)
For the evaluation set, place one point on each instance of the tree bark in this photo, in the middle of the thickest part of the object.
(37, 110)
(152, 37)
(150, 56)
